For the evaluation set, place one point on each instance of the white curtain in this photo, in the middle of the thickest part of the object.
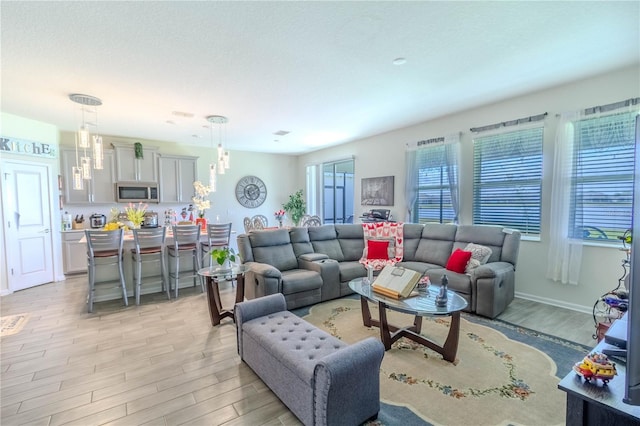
(565, 253)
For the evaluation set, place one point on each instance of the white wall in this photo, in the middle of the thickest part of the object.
(384, 155)
(24, 128)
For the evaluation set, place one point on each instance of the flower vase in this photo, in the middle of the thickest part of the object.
(279, 223)
(203, 223)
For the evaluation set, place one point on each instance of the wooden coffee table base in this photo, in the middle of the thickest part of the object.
(390, 333)
(216, 312)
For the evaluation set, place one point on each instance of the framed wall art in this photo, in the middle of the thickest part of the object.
(377, 191)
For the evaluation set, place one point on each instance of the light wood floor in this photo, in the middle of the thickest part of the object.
(160, 363)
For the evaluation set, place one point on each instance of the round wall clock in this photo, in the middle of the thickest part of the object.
(251, 191)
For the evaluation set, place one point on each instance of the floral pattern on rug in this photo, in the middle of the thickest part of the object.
(516, 388)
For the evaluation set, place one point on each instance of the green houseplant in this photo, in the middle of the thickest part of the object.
(221, 256)
(296, 207)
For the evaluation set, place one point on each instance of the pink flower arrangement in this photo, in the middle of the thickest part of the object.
(279, 215)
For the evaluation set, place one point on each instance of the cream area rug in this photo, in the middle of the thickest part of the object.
(12, 324)
(495, 380)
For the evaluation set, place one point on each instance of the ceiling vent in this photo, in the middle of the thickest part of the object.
(281, 132)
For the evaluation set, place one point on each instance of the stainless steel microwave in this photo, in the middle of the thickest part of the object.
(137, 192)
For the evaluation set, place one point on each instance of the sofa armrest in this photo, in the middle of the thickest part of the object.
(256, 308)
(347, 383)
(264, 269)
(312, 256)
(494, 287)
(329, 270)
(492, 270)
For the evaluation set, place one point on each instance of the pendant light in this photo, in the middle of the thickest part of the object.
(222, 161)
(82, 170)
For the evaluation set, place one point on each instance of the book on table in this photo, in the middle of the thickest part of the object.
(396, 282)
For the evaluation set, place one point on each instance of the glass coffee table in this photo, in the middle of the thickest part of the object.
(214, 274)
(420, 305)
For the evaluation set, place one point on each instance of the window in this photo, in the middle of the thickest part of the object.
(337, 196)
(602, 179)
(437, 180)
(507, 180)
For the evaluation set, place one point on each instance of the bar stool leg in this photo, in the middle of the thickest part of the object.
(138, 277)
(166, 285)
(124, 286)
(91, 285)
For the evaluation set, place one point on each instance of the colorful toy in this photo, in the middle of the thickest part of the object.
(595, 366)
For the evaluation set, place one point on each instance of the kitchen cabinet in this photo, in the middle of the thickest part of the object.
(132, 169)
(74, 253)
(100, 189)
(177, 174)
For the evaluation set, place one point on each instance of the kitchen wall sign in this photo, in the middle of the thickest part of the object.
(26, 147)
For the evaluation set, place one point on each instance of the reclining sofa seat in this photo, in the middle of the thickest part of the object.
(331, 254)
(489, 288)
(274, 267)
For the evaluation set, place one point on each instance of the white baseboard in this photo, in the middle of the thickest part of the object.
(5, 292)
(555, 302)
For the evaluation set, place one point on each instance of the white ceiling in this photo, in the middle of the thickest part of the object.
(321, 70)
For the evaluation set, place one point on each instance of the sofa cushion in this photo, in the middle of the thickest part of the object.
(325, 240)
(273, 248)
(458, 261)
(351, 270)
(436, 244)
(479, 256)
(351, 239)
(297, 280)
(489, 236)
(377, 249)
(412, 235)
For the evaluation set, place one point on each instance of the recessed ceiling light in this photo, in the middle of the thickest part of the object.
(399, 61)
(281, 132)
(170, 122)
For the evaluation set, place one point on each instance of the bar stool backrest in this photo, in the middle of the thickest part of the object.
(186, 237)
(104, 243)
(218, 234)
(149, 239)
(260, 221)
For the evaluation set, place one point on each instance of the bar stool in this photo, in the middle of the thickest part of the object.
(104, 248)
(218, 235)
(186, 239)
(149, 248)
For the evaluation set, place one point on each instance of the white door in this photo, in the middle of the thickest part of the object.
(28, 230)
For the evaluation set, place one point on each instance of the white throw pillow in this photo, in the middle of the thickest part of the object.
(479, 256)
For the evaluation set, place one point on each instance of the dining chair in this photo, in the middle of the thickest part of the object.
(149, 247)
(248, 225)
(259, 221)
(218, 236)
(104, 249)
(186, 240)
(311, 221)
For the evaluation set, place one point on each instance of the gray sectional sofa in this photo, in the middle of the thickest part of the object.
(311, 265)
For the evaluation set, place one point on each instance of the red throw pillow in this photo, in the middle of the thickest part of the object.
(377, 249)
(458, 261)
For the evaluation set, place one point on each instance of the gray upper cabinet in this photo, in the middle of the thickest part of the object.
(100, 189)
(132, 169)
(177, 174)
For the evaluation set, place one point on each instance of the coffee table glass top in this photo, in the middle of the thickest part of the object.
(419, 303)
(219, 272)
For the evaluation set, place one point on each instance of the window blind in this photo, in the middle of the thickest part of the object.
(433, 204)
(507, 180)
(602, 180)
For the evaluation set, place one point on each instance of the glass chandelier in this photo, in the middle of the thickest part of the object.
(221, 162)
(82, 169)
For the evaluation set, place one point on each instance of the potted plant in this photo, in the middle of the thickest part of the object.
(223, 257)
(296, 207)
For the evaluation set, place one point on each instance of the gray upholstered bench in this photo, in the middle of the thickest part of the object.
(322, 380)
